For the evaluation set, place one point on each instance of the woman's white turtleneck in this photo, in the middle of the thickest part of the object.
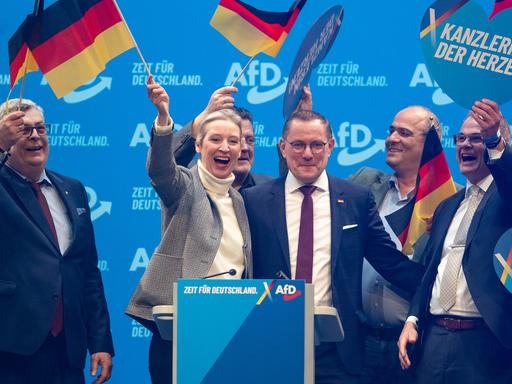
(230, 253)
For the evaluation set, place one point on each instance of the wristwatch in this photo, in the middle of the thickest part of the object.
(493, 141)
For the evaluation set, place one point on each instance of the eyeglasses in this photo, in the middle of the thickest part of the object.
(300, 146)
(402, 132)
(27, 130)
(474, 138)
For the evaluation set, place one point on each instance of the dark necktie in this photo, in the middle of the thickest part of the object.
(304, 269)
(58, 318)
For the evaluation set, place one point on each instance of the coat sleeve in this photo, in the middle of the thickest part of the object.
(183, 146)
(97, 320)
(169, 180)
(382, 254)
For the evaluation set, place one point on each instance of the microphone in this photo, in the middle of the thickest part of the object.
(282, 275)
(231, 272)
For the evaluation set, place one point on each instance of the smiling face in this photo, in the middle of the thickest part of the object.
(306, 165)
(30, 154)
(219, 148)
(470, 157)
(404, 144)
(246, 159)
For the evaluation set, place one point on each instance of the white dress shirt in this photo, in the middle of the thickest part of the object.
(464, 304)
(321, 232)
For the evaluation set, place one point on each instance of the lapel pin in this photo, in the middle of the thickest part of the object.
(341, 201)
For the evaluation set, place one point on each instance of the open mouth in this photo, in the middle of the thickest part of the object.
(34, 149)
(465, 157)
(221, 160)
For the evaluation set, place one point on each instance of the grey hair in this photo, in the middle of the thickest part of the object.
(14, 104)
(222, 114)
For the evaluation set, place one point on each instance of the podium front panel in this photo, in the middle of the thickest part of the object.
(233, 331)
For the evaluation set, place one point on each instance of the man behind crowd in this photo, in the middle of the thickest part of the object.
(313, 226)
(52, 302)
(461, 310)
(185, 139)
(386, 306)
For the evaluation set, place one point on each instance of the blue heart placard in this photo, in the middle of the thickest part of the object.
(468, 55)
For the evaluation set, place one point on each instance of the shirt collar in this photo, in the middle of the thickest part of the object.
(393, 186)
(42, 179)
(484, 184)
(292, 184)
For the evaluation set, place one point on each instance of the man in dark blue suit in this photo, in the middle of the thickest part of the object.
(52, 303)
(317, 227)
(461, 311)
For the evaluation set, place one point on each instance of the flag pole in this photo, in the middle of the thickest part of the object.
(242, 72)
(23, 81)
(38, 5)
(133, 39)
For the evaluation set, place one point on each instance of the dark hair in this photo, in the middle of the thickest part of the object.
(304, 115)
(243, 113)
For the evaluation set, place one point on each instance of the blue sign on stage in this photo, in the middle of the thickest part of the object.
(227, 328)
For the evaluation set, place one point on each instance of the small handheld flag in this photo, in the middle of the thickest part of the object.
(434, 184)
(252, 30)
(70, 42)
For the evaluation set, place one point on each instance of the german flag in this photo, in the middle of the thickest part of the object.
(21, 60)
(433, 185)
(251, 30)
(500, 5)
(72, 40)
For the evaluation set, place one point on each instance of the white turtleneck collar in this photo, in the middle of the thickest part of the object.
(213, 184)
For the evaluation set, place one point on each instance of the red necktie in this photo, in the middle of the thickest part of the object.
(304, 268)
(58, 318)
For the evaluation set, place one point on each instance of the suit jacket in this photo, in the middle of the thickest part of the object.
(191, 231)
(492, 218)
(183, 147)
(33, 271)
(350, 204)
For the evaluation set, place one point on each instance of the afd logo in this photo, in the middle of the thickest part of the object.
(264, 79)
(288, 291)
(98, 208)
(421, 77)
(357, 144)
(87, 90)
(142, 134)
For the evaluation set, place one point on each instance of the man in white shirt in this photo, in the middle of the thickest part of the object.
(310, 225)
(461, 312)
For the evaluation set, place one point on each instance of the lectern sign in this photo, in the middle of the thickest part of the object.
(234, 331)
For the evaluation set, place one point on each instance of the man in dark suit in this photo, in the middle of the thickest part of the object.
(317, 227)
(461, 310)
(52, 303)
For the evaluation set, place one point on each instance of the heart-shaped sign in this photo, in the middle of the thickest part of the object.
(469, 56)
(503, 259)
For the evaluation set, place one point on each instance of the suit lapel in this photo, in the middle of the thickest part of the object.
(28, 201)
(445, 219)
(380, 188)
(277, 204)
(71, 207)
(479, 212)
(337, 202)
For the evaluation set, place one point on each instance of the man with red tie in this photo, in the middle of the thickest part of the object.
(52, 303)
(312, 226)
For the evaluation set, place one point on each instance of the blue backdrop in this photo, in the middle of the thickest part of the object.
(101, 131)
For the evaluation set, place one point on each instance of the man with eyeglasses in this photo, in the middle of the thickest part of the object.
(385, 305)
(312, 226)
(52, 304)
(460, 316)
